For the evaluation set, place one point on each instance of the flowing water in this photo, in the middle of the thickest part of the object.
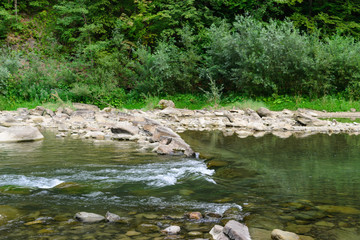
(305, 185)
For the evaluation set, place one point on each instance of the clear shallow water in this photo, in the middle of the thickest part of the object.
(307, 185)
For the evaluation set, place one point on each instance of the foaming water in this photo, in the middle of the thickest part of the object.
(30, 182)
(154, 174)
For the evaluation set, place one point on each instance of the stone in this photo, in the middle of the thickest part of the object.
(132, 233)
(89, 217)
(174, 146)
(20, 134)
(264, 112)
(278, 234)
(217, 233)
(325, 224)
(166, 103)
(195, 234)
(125, 128)
(236, 231)
(148, 228)
(195, 215)
(33, 223)
(172, 230)
(8, 213)
(112, 217)
(259, 234)
(83, 106)
(308, 120)
(338, 209)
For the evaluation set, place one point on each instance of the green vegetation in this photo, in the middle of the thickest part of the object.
(131, 53)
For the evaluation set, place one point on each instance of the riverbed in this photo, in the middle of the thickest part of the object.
(305, 185)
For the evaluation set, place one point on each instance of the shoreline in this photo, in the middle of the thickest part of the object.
(157, 130)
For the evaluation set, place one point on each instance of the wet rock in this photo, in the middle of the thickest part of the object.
(177, 146)
(148, 228)
(166, 104)
(278, 234)
(33, 222)
(325, 224)
(132, 233)
(89, 217)
(299, 229)
(338, 209)
(281, 134)
(217, 233)
(259, 234)
(195, 234)
(172, 230)
(195, 215)
(236, 231)
(112, 217)
(8, 213)
(20, 134)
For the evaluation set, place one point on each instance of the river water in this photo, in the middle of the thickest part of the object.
(305, 185)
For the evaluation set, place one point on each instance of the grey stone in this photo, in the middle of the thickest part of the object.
(217, 233)
(125, 128)
(236, 231)
(172, 230)
(20, 134)
(278, 234)
(89, 217)
(264, 112)
(166, 103)
(112, 217)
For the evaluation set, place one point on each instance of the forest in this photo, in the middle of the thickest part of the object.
(121, 53)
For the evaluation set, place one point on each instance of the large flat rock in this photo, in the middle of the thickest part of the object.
(20, 134)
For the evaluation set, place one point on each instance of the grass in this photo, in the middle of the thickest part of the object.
(189, 101)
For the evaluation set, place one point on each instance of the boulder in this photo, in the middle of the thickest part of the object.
(89, 217)
(264, 112)
(172, 230)
(20, 134)
(278, 234)
(217, 233)
(148, 228)
(308, 120)
(195, 215)
(125, 128)
(174, 146)
(166, 103)
(112, 217)
(236, 231)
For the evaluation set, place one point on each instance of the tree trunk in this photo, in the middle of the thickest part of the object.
(16, 10)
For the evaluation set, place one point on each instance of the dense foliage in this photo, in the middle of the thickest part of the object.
(107, 52)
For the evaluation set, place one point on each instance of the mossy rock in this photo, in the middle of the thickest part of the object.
(8, 213)
(72, 188)
(216, 164)
(234, 173)
(12, 189)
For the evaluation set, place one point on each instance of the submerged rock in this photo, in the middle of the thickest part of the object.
(148, 228)
(172, 230)
(89, 217)
(278, 234)
(20, 134)
(8, 213)
(338, 209)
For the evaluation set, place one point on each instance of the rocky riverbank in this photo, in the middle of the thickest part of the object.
(157, 130)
